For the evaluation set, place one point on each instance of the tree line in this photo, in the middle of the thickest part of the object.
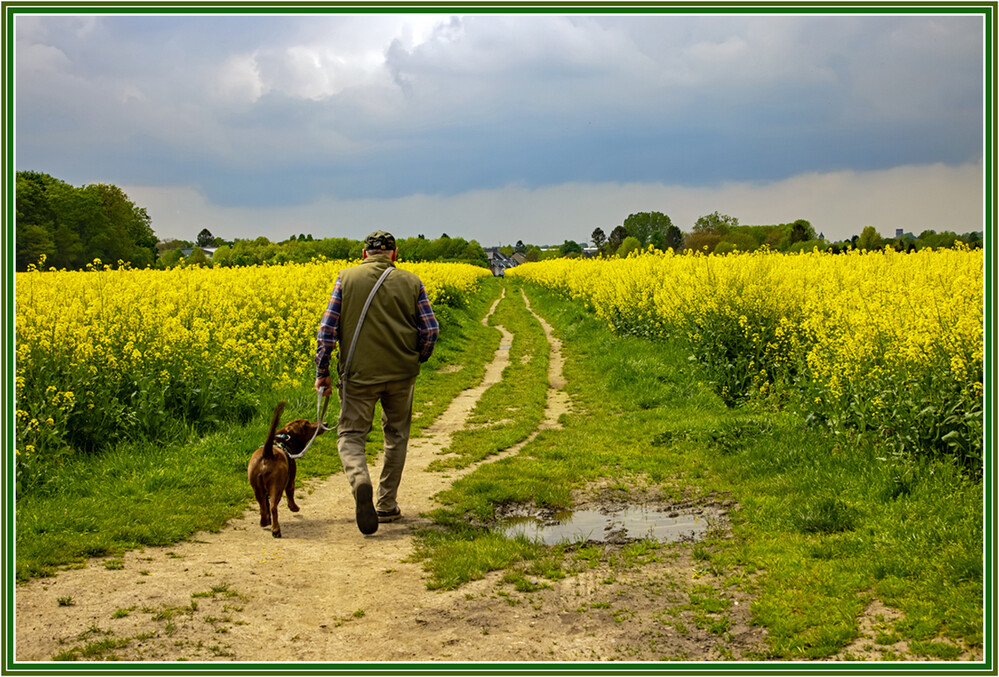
(68, 227)
(60, 226)
(718, 233)
(304, 248)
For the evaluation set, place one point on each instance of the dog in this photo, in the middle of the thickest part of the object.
(272, 472)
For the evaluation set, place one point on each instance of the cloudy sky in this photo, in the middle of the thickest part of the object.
(499, 127)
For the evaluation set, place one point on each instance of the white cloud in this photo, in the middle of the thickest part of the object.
(37, 59)
(238, 79)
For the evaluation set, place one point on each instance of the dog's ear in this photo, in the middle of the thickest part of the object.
(311, 427)
(302, 430)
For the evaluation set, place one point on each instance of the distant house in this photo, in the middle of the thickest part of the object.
(499, 262)
(186, 251)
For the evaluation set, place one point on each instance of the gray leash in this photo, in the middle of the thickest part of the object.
(342, 386)
(321, 404)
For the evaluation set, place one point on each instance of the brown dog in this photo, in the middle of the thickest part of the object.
(272, 472)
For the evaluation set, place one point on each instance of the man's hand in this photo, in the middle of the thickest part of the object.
(324, 385)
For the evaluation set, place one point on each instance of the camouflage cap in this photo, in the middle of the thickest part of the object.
(379, 240)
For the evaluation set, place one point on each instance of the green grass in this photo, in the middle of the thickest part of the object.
(152, 494)
(463, 341)
(827, 523)
(510, 410)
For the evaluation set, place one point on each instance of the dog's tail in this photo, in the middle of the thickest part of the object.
(269, 445)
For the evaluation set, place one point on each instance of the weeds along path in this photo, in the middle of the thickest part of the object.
(322, 593)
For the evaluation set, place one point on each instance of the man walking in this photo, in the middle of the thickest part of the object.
(386, 328)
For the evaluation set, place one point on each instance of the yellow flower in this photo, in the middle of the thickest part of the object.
(847, 319)
(124, 325)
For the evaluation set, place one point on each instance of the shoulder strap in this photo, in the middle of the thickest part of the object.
(360, 321)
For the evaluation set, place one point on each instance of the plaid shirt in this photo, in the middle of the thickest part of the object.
(329, 329)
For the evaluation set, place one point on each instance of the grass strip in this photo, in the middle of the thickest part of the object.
(460, 356)
(510, 410)
(827, 523)
(150, 493)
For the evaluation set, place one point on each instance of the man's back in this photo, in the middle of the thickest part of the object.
(388, 346)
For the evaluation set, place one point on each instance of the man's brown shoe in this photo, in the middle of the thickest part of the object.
(364, 512)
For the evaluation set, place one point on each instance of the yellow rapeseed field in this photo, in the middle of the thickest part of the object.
(105, 353)
(873, 339)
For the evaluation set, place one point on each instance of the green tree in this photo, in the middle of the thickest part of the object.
(974, 239)
(205, 238)
(474, 253)
(76, 218)
(598, 238)
(73, 226)
(222, 258)
(34, 245)
(777, 239)
(673, 238)
(701, 241)
(869, 239)
(802, 231)
(629, 245)
(570, 247)
(171, 258)
(739, 241)
(126, 232)
(715, 224)
(197, 258)
(658, 240)
(170, 243)
(337, 248)
(643, 224)
(931, 238)
(616, 238)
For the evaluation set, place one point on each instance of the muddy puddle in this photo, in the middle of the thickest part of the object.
(616, 526)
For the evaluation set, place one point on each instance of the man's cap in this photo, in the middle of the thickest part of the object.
(379, 240)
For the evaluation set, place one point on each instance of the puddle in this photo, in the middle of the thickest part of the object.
(631, 523)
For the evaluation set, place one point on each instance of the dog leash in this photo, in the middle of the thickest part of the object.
(321, 401)
(321, 404)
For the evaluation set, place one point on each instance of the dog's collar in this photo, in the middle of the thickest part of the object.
(283, 440)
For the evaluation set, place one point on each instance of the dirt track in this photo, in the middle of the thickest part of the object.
(327, 594)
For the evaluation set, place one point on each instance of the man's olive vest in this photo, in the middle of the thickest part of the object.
(387, 348)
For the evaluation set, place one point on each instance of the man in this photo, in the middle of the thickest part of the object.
(397, 334)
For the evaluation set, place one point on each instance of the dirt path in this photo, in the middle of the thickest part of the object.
(326, 593)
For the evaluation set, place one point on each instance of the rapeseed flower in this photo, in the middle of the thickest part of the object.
(833, 331)
(105, 353)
